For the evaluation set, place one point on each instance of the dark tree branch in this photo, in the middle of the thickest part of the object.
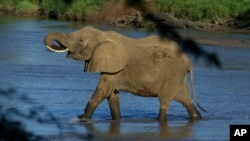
(167, 31)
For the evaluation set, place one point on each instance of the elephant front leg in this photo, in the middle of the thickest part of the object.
(105, 88)
(95, 100)
(165, 97)
(114, 105)
(164, 105)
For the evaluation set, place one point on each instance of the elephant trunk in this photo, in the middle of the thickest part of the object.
(59, 38)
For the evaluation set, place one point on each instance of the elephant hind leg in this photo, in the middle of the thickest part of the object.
(185, 99)
(193, 112)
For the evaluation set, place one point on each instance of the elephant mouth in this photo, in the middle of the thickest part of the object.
(57, 47)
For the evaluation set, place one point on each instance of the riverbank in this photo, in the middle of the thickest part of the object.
(205, 15)
(147, 14)
(223, 38)
(228, 37)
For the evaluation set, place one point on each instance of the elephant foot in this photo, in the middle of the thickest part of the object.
(81, 119)
(162, 115)
(85, 120)
(194, 113)
(196, 116)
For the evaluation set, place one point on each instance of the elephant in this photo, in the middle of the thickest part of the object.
(149, 67)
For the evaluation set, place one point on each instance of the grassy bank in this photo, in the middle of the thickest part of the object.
(99, 10)
(206, 10)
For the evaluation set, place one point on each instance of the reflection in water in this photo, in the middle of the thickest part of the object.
(161, 129)
(179, 131)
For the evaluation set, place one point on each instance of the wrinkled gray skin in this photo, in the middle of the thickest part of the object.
(149, 67)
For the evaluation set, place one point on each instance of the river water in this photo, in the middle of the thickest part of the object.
(56, 85)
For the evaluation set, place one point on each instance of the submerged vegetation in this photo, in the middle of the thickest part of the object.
(100, 10)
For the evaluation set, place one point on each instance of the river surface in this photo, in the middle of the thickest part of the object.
(56, 85)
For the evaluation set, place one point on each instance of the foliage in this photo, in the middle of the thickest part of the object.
(12, 129)
(53, 9)
(8, 5)
(204, 10)
(26, 7)
(79, 9)
(71, 9)
(13, 125)
(196, 10)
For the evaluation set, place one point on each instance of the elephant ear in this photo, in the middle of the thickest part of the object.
(107, 57)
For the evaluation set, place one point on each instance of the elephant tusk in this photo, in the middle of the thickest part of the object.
(55, 50)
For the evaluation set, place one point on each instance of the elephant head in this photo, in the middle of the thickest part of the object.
(99, 51)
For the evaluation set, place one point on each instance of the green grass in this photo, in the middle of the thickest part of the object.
(205, 10)
(26, 7)
(79, 10)
(8, 5)
(73, 10)
(53, 8)
(19, 6)
(195, 10)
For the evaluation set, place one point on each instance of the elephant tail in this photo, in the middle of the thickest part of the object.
(193, 91)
